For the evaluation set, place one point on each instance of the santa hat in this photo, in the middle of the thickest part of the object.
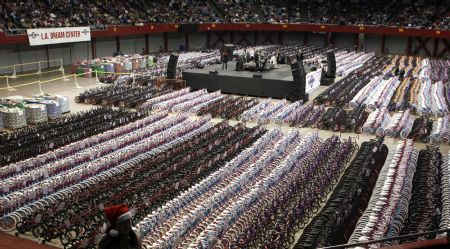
(115, 215)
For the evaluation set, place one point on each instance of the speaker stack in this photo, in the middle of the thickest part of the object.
(239, 65)
(172, 66)
(299, 87)
(331, 61)
(328, 76)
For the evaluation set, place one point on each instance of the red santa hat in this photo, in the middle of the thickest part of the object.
(115, 215)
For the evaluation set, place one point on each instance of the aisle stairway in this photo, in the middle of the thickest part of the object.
(303, 11)
(258, 10)
(219, 12)
(291, 7)
(293, 10)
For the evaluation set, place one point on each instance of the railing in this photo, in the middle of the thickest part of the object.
(15, 31)
(39, 65)
(12, 32)
(39, 72)
(408, 236)
(122, 30)
(65, 78)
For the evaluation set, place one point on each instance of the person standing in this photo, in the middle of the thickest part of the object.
(273, 61)
(119, 234)
(252, 54)
(224, 59)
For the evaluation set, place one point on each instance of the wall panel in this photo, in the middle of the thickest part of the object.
(429, 45)
(106, 46)
(81, 51)
(197, 40)
(316, 39)
(175, 40)
(292, 37)
(155, 42)
(342, 40)
(372, 43)
(396, 44)
(132, 45)
(9, 56)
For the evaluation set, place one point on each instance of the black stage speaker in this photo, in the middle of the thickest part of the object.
(214, 72)
(257, 75)
(299, 87)
(172, 66)
(298, 73)
(298, 94)
(239, 65)
(331, 64)
(327, 77)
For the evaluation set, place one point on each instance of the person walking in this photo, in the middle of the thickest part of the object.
(224, 59)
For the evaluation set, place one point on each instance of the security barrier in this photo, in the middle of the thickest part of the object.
(64, 78)
(39, 72)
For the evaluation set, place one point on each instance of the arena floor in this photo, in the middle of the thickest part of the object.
(67, 88)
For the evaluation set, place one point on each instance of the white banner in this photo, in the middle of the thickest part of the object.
(313, 80)
(58, 35)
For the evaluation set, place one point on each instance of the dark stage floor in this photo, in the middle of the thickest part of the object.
(281, 73)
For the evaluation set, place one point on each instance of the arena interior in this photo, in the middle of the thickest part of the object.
(294, 124)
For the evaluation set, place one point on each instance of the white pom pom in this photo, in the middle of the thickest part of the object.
(113, 233)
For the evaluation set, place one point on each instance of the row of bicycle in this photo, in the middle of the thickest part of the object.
(176, 153)
(38, 139)
(384, 194)
(391, 82)
(194, 184)
(294, 172)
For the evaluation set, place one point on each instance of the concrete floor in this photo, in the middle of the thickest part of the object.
(68, 88)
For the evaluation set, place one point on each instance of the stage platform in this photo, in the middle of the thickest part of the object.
(275, 83)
